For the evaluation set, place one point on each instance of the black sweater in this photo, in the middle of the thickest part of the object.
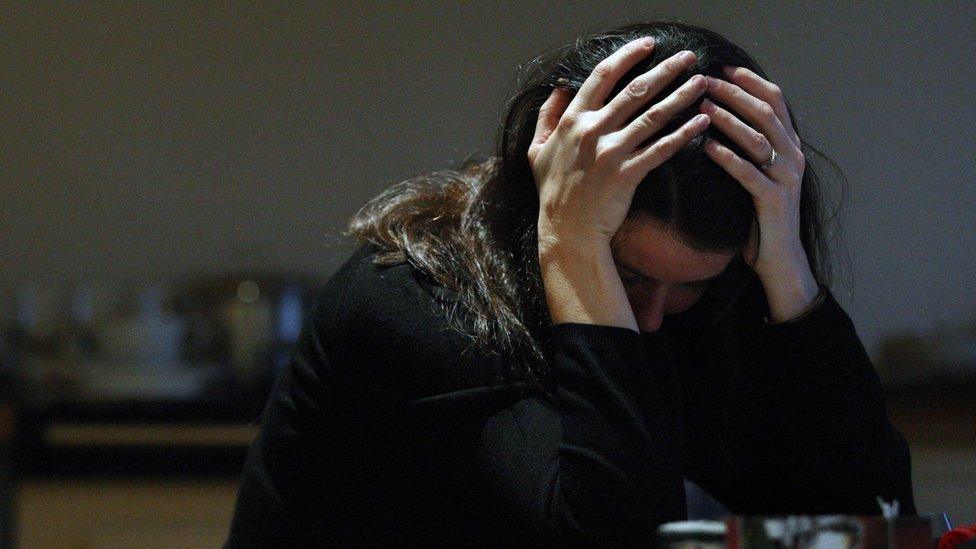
(387, 427)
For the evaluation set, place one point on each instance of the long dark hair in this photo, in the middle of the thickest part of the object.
(472, 230)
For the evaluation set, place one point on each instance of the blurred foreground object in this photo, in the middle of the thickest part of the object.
(820, 531)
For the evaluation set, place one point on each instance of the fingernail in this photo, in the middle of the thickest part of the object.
(707, 105)
(562, 82)
(728, 70)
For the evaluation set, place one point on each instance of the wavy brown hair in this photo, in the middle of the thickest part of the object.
(472, 230)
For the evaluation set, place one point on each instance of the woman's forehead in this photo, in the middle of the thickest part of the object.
(651, 249)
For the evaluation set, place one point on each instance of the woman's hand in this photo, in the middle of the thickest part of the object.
(780, 260)
(586, 169)
(584, 162)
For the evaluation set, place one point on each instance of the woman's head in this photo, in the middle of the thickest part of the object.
(689, 196)
(474, 229)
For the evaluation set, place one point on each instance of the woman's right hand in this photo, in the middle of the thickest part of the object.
(585, 164)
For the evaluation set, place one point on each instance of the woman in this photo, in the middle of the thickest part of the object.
(541, 347)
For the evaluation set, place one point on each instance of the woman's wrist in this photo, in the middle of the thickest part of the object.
(582, 286)
(817, 301)
(790, 289)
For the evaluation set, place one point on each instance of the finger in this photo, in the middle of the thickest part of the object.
(592, 95)
(742, 170)
(646, 86)
(751, 141)
(653, 155)
(656, 117)
(756, 111)
(765, 90)
(549, 114)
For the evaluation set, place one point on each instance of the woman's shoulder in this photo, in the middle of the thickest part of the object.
(366, 298)
(383, 326)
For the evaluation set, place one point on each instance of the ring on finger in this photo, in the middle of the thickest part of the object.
(737, 127)
(769, 163)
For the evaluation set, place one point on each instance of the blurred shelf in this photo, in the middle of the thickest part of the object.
(151, 435)
(135, 438)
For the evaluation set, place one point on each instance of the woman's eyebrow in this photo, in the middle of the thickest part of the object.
(690, 282)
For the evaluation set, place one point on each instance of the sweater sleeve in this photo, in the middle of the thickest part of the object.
(813, 428)
(386, 426)
(596, 467)
(601, 465)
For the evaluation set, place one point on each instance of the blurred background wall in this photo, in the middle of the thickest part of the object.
(150, 139)
(144, 141)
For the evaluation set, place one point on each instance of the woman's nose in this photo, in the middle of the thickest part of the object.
(650, 313)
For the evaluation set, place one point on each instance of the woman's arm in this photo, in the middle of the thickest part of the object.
(816, 436)
(601, 466)
(384, 426)
(809, 416)
(594, 467)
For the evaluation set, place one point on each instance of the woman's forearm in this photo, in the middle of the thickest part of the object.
(816, 431)
(582, 285)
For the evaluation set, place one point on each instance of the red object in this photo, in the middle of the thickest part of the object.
(957, 536)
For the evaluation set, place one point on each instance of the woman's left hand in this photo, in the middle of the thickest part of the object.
(781, 262)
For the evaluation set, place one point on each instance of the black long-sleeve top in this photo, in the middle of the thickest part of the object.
(388, 427)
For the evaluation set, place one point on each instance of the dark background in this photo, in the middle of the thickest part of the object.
(142, 141)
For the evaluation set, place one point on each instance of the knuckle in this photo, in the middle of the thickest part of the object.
(775, 91)
(587, 130)
(688, 92)
(767, 111)
(648, 160)
(637, 88)
(567, 121)
(602, 69)
(655, 117)
(604, 156)
(649, 157)
(736, 92)
(689, 130)
(666, 144)
(724, 154)
(760, 141)
(656, 152)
